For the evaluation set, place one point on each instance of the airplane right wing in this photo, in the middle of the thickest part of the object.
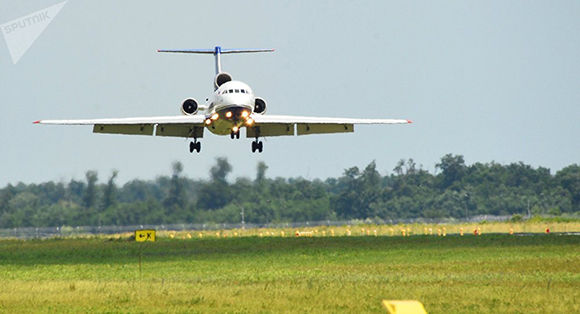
(177, 126)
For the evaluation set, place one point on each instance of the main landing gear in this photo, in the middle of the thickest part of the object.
(257, 146)
(195, 146)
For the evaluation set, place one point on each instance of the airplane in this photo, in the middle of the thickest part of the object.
(232, 106)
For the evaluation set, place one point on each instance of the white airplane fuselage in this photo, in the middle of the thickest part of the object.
(230, 108)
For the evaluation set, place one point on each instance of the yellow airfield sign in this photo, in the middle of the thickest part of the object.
(404, 307)
(144, 235)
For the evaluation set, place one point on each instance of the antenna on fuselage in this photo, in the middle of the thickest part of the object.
(216, 51)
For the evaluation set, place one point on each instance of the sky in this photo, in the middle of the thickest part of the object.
(490, 80)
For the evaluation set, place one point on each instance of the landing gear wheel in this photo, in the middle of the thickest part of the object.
(194, 146)
(238, 135)
(257, 146)
(235, 135)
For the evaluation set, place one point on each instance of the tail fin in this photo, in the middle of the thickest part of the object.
(217, 51)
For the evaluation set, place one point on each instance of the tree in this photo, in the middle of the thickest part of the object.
(75, 191)
(411, 167)
(90, 195)
(453, 168)
(21, 208)
(346, 199)
(110, 193)
(261, 171)
(176, 195)
(399, 167)
(220, 171)
(216, 194)
(569, 179)
(359, 191)
(6, 195)
(370, 190)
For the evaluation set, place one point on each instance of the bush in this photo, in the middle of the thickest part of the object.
(516, 218)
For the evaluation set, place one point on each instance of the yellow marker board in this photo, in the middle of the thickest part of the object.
(145, 235)
(404, 307)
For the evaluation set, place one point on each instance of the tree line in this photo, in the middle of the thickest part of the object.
(455, 190)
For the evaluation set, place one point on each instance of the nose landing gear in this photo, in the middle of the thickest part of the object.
(235, 135)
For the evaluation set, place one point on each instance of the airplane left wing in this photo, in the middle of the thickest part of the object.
(179, 126)
(275, 125)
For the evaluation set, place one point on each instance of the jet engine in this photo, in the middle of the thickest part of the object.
(222, 78)
(189, 107)
(259, 105)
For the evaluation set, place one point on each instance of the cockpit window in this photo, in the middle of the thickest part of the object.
(231, 91)
(243, 91)
(236, 91)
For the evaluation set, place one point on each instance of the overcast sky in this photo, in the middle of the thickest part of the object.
(491, 80)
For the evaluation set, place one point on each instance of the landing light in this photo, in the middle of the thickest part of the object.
(215, 116)
(208, 121)
(235, 129)
(228, 114)
(250, 121)
(244, 114)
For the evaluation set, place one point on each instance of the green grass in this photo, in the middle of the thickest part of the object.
(490, 273)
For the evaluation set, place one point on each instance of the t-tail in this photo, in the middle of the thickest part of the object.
(216, 51)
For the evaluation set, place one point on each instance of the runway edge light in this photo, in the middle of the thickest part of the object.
(404, 307)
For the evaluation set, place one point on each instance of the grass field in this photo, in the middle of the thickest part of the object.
(490, 273)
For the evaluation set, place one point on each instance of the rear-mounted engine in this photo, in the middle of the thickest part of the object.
(222, 78)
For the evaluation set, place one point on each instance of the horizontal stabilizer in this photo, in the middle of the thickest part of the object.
(216, 50)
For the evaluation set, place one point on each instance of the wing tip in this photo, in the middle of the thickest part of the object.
(409, 121)
(36, 122)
